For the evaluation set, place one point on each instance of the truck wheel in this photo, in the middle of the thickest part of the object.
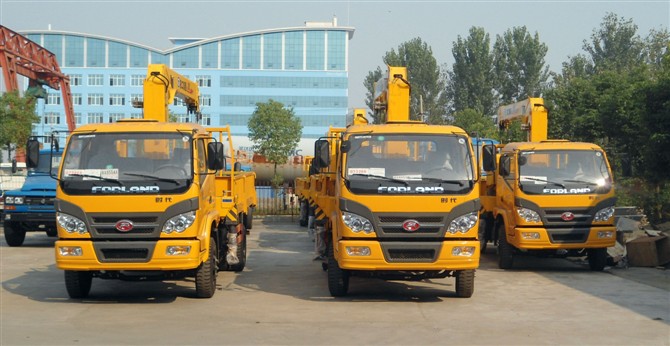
(14, 234)
(241, 251)
(597, 259)
(505, 251)
(205, 276)
(304, 213)
(338, 278)
(78, 283)
(465, 283)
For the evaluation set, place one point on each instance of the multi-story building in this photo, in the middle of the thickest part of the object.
(305, 68)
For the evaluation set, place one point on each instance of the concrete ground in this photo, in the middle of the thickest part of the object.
(281, 298)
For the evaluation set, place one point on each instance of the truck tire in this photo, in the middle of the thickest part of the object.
(505, 251)
(78, 283)
(205, 276)
(465, 283)
(338, 278)
(14, 234)
(304, 213)
(241, 251)
(597, 258)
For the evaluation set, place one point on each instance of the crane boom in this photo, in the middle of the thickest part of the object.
(391, 97)
(161, 86)
(533, 115)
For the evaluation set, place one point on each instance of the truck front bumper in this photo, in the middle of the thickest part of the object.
(404, 256)
(117, 257)
(45, 218)
(531, 238)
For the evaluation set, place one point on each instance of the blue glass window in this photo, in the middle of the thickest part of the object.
(230, 51)
(157, 58)
(293, 46)
(251, 52)
(315, 50)
(187, 58)
(118, 54)
(37, 38)
(54, 44)
(210, 55)
(74, 51)
(337, 41)
(272, 51)
(139, 57)
(95, 53)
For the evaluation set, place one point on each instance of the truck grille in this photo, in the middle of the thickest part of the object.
(410, 251)
(571, 235)
(124, 251)
(391, 225)
(143, 226)
(398, 255)
(112, 254)
(39, 200)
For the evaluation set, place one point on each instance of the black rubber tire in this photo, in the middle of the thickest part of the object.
(597, 259)
(338, 278)
(505, 250)
(465, 283)
(78, 283)
(304, 213)
(241, 252)
(14, 234)
(205, 276)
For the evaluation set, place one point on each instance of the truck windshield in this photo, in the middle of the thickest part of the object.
(563, 172)
(128, 163)
(409, 164)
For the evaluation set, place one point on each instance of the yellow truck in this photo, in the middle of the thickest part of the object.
(547, 197)
(141, 199)
(397, 200)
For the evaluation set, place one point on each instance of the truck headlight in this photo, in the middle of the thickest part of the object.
(604, 214)
(357, 223)
(528, 215)
(463, 223)
(14, 200)
(71, 224)
(179, 223)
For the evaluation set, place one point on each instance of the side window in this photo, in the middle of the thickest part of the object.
(202, 160)
(504, 166)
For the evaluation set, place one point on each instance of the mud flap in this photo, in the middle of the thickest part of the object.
(231, 255)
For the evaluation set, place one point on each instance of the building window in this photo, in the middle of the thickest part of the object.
(337, 41)
(53, 99)
(95, 53)
(113, 117)
(54, 44)
(74, 51)
(51, 118)
(139, 57)
(75, 80)
(117, 80)
(272, 49)
(187, 58)
(77, 118)
(117, 100)
(94, 118)
(95, 80)
(204, 81)
(76, 99)
(136, 99)
(118, 54)
(137, 80)
(251, 52)
(230, 53)
(315, 49)
(205, 100)
(157, 58)
(136, 116)
(205, 120)
(293, 47)
(210, 55)
(95, 100)
(182, 118)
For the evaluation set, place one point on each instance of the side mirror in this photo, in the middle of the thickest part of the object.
(32, 153)
(237, 166)
(345, 146)
(14, 167)
(321, 153)
(215, 158)
(489, 158)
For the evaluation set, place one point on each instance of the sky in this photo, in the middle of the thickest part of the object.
(379, 25)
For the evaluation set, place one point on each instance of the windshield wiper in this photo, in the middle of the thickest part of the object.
(438, 180)
(579, 181)
(544, 181)
(111, 180)
(153, 177)
(381, 177)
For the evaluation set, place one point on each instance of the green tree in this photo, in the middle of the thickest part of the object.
(615, 45)
(424, 75)
(471, 82)
(476, 123)
(274, 131)
(17, 114)
(519, 65)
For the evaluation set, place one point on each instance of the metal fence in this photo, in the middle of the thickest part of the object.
(276, 201)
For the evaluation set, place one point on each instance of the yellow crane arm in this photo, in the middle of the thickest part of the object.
(391, 97)
(533, 116)
(161, 86)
